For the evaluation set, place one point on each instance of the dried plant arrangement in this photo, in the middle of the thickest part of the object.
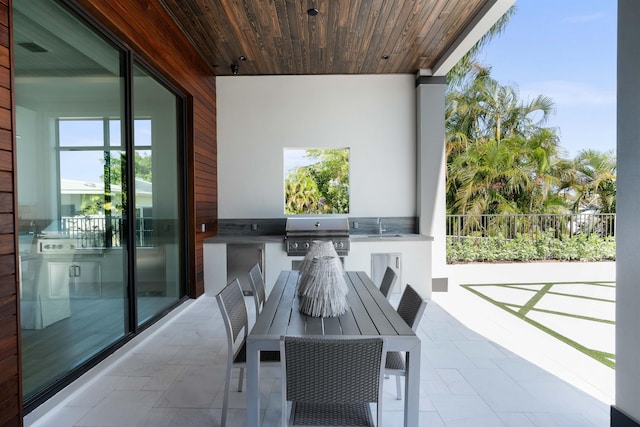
(318, 248)
(322, 290)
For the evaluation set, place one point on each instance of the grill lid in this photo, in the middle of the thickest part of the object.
(302, 231)
(331, 226)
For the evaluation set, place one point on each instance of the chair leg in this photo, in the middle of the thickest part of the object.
(241, 376)
(225, 401)
(398, 388)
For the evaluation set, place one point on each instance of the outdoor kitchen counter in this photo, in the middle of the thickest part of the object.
(413, 248)
(280, 239)
(248, 238)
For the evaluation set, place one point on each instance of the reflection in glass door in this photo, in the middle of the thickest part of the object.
(101, 237)
(158, 187)
(73, 284)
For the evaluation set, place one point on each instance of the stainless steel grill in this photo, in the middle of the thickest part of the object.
(301, 232)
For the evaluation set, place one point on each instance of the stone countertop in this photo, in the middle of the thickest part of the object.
(390, 237)
(354, 238)
(244, 239)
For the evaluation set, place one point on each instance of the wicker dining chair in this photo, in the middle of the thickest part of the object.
(388, 280)
(235, 318)
(411, 308)
(331, 381)
(256, 281)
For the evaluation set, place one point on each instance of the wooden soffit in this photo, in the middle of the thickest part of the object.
(271, 37)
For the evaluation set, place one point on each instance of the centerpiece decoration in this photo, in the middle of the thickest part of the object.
(321, 287)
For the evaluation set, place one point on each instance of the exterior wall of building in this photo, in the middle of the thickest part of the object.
(372, 115)
(11, 393)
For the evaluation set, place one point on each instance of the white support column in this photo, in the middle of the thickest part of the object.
(431, 201)
(626, 411)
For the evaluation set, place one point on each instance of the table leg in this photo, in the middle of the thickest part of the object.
(253, 386)
(412, 388)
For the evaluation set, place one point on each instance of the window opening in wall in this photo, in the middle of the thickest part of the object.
(316, 181)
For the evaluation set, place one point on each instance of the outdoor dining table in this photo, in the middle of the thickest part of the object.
(369, 315)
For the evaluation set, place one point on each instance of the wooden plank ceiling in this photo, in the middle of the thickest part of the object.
(265, 37)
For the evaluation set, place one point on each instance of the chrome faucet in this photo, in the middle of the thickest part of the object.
(381, 228)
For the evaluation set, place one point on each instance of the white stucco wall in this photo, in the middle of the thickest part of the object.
(258, 116)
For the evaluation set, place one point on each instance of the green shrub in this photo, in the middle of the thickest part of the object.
(525, 249)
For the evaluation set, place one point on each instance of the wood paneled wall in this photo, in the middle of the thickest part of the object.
(10, 370)
(149, 30)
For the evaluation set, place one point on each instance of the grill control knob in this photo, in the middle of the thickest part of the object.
(294, 245)
(340, 245)
(306, 245)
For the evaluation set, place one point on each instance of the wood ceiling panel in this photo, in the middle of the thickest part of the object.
(346, 37)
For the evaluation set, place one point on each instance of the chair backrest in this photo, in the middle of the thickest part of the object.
(411, 307)
(330, 370)
(234, 315)
(388, 280)
(257, 286)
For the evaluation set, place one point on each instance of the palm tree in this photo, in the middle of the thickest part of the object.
(301, 193)
(481, 108)
(548, 168)
(331, 174)
(500, 157)
(594, 181)
(506, 115)
(490, 178)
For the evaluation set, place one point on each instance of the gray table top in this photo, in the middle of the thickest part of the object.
(369, 314)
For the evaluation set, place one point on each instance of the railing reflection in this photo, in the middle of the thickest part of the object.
(101, 232)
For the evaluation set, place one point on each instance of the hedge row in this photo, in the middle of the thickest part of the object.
(523, 249)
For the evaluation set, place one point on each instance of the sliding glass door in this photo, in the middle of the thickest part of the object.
(100, 194)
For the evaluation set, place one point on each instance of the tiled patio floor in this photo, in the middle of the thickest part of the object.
(580, 314)
(173, 375)
(528, 340)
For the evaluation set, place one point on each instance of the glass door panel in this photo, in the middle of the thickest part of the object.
(89, 238)
(73, 283)
(158, 181)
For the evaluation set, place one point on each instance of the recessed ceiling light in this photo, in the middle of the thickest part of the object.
(242, 58)
(385, 57)
(312, 12)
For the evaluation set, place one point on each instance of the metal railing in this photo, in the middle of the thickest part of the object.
(533, 226)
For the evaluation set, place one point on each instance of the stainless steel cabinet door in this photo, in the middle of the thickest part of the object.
(379, 264)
